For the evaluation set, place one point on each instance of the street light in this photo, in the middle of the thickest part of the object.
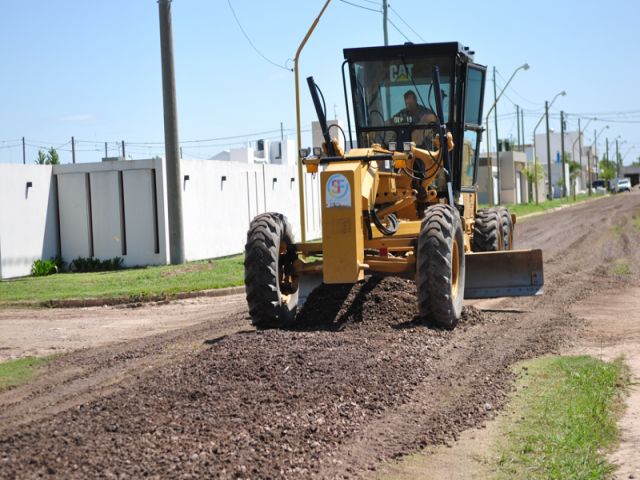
(489, 164)
(595, 151)
(579, 140)
(618, 162)
(627, 153)
(547, 105)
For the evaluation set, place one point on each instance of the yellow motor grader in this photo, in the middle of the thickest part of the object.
(403, 201)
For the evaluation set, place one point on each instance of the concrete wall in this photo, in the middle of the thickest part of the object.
(28, 218)
(221, 198)
(483, 174)
(514, 185)
(113, 209)
(118, 208)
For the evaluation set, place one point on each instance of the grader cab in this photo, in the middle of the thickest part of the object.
(403, 201)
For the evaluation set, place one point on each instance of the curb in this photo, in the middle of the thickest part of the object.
(128, 301)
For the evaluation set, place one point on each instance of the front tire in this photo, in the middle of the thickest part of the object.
(506, 225)
(487, 231)
(270, 282)
(440, 266)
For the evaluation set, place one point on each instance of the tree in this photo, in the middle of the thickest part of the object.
(607, 170)
(42, 158)
(534, 175)
(49, 158)
(636, 162)
(53, 157)
(574, 172)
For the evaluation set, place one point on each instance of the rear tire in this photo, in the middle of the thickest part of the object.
(487, 232)
(440, 266)
(506, 224)
(270, 283)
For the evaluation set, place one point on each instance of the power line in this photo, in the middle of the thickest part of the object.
(398, 30)
(252, 44)
(232, 137)
(361, 6)
(388, 19)
(537, 104)
(403, 21)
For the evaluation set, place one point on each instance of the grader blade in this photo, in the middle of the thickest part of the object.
(306, 284)
(514, 273)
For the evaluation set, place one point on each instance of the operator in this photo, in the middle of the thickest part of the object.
(414, 112)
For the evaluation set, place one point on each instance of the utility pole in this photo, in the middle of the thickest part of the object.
(172, 155)
(617, 160)
(24, 152)
(595, 150)
(106, 150)
(522, 126)
(518, 123)
(495, 99)
(589, 170)
(73, 150)
(546, 114)
(385, 12)
(580, 152)
(564, 175)
(123, 156)
(608, 164)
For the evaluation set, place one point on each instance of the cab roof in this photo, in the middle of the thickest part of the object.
(449, 49)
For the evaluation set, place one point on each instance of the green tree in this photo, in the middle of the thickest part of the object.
(51, 157)
(534, 175)
(42, 158)
(607, 170)
(574, 172)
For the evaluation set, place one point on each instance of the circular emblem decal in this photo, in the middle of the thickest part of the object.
(338, 191)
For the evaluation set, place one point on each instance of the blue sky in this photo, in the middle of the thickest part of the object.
(92, 69)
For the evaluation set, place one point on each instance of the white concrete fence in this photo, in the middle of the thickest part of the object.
(119, 208)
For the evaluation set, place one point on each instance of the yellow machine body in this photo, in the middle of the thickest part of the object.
(351, 243)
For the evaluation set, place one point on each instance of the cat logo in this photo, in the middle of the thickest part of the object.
(401, 73)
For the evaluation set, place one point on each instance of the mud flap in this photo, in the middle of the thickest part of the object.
(514, 273)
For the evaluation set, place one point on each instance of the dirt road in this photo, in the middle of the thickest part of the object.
(25, 332)
(356, 384)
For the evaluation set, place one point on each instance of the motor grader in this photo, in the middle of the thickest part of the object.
(403, 200)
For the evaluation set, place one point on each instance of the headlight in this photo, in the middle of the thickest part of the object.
(304, 152)
(408, 146)
(392, 146)
(317, 151)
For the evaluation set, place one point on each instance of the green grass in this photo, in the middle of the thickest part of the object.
(636, 222)
(521, 209)
(617, 230)
(134, 283)
(566, 410)
(17, 372)
(621, 267)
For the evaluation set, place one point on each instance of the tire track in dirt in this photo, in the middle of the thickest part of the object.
(356, 384)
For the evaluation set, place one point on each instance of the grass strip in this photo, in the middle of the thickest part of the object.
(134, 283)
(17, 372)
(521, 209)
(565, 419)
